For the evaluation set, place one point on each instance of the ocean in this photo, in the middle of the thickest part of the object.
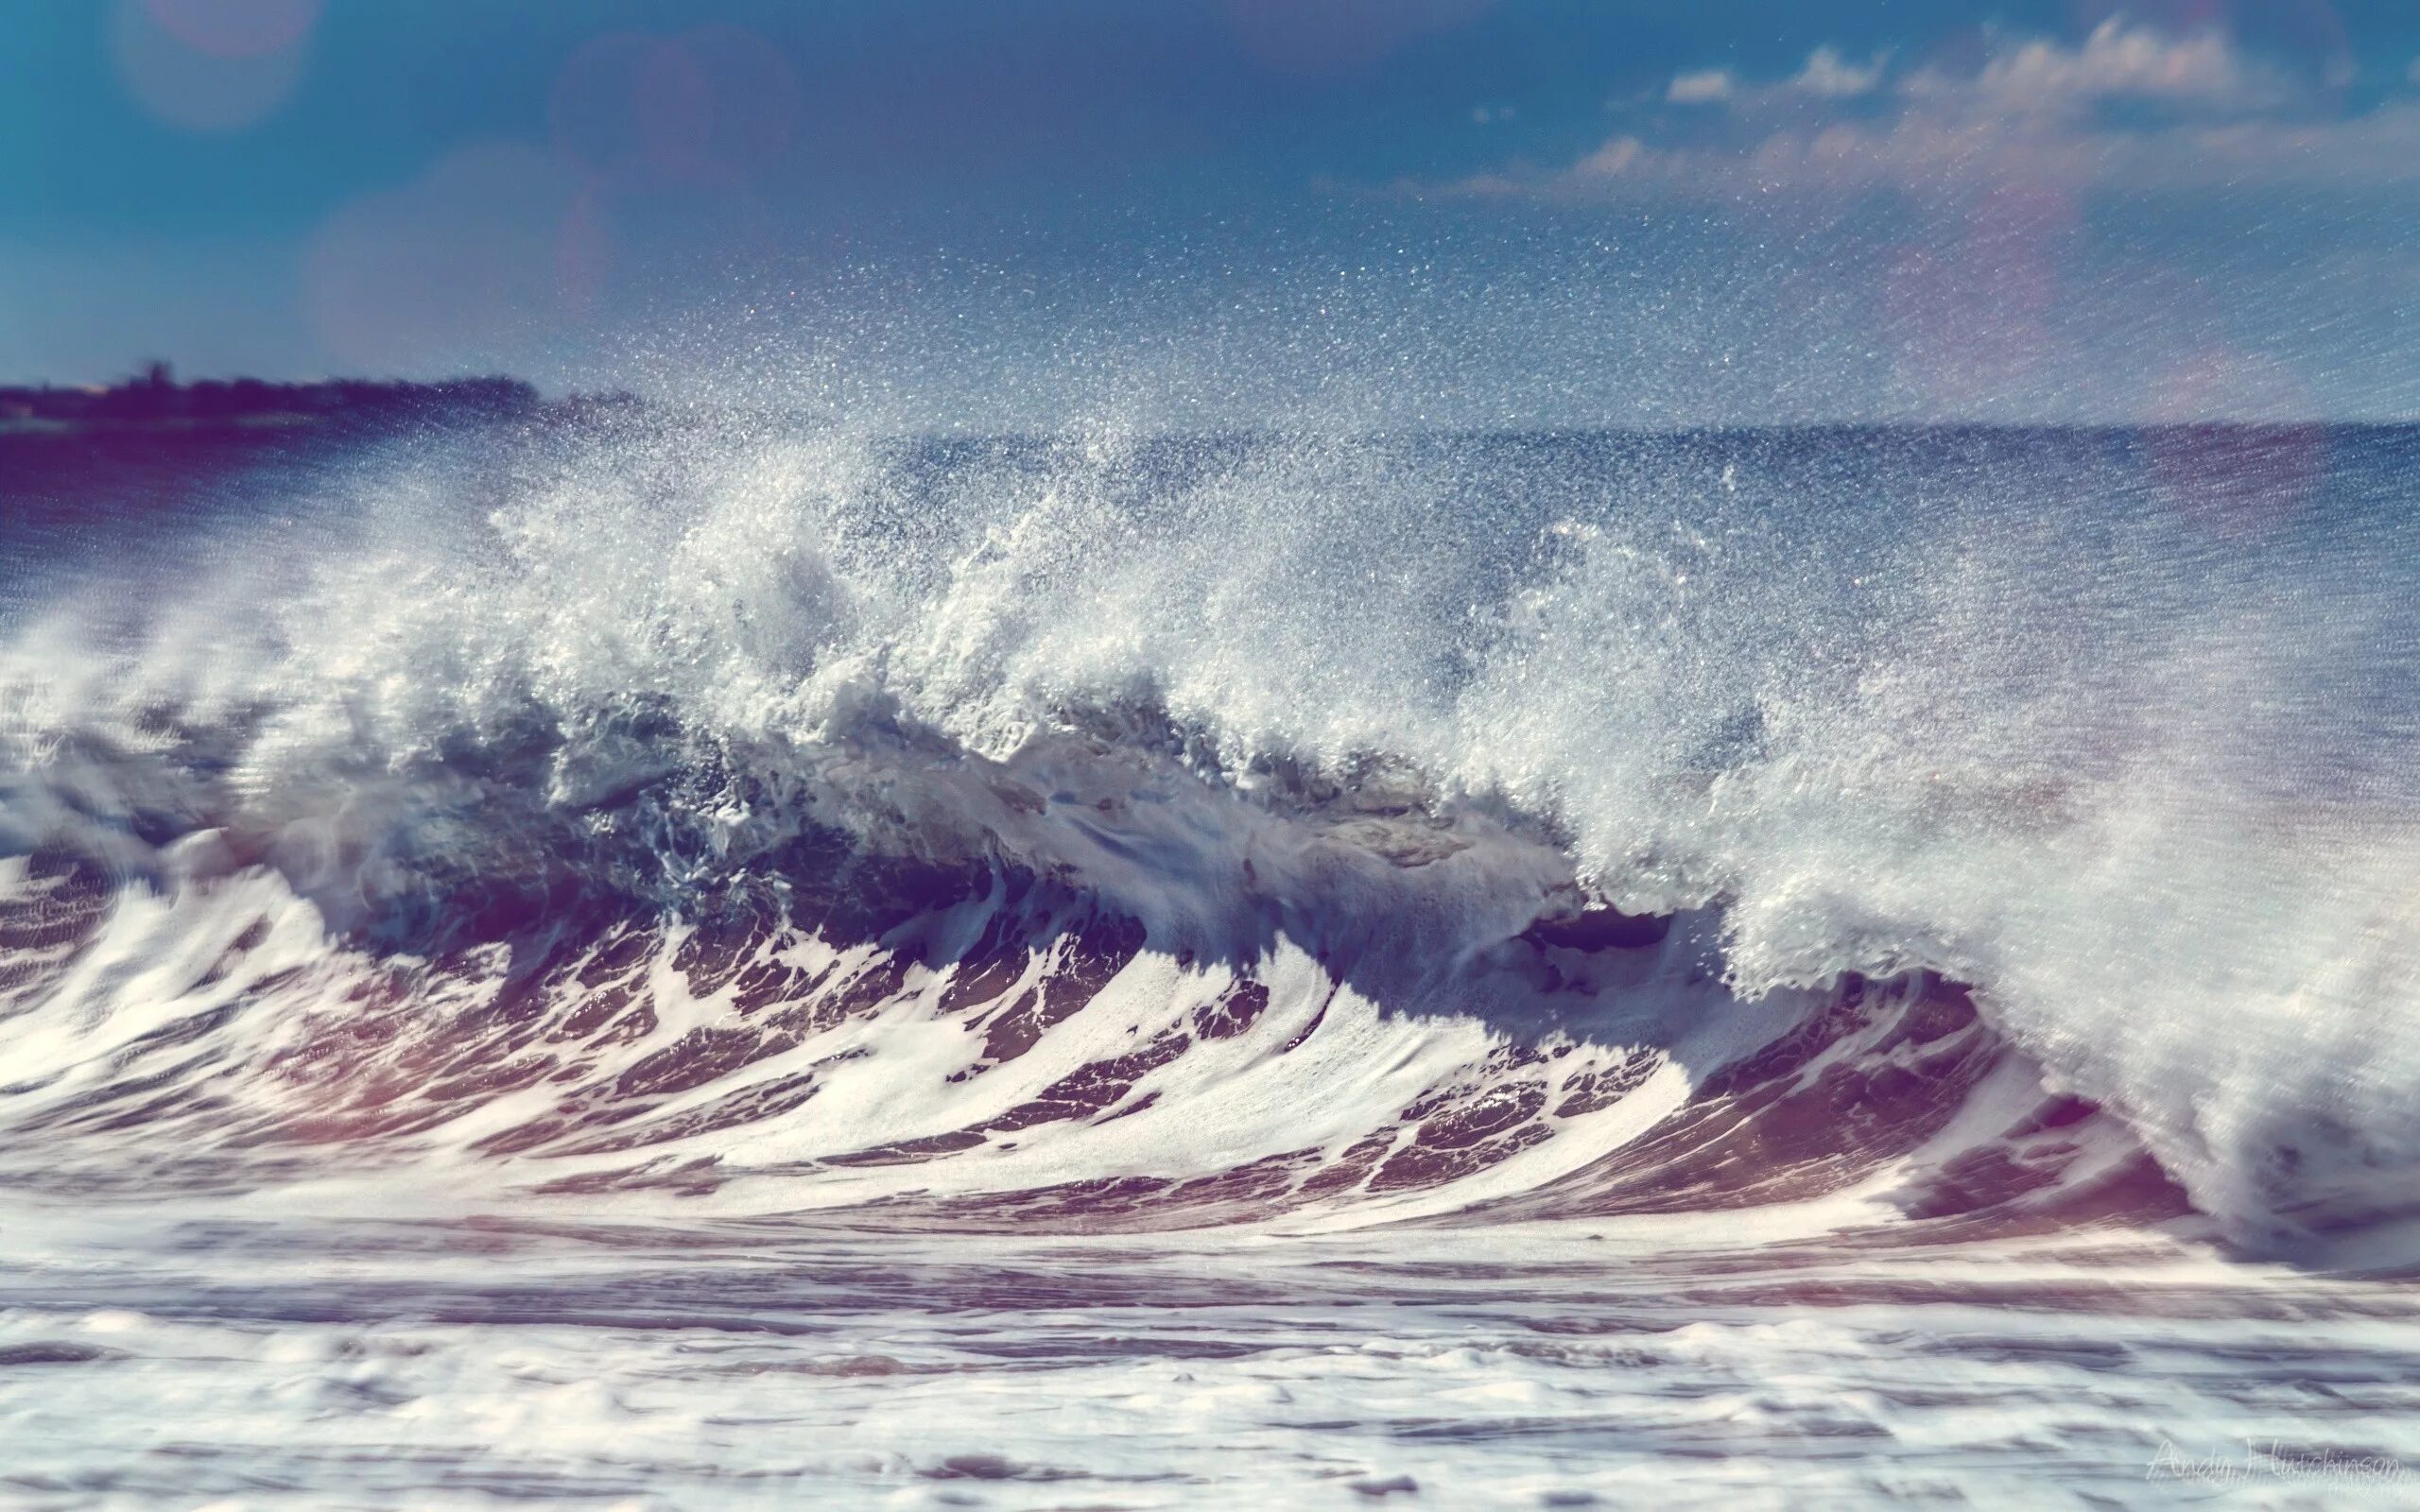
(668, 958)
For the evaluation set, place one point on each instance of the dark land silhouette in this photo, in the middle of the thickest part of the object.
(155, 401)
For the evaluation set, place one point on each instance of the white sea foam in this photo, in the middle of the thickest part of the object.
(2012, 717)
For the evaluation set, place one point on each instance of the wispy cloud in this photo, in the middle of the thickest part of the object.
(2116, 61)
(1707, 86)
(2128, 107)
(1830, 76)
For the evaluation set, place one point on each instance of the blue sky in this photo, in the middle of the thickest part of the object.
(1398, 211)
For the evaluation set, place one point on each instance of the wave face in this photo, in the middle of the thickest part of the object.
(1982, 829)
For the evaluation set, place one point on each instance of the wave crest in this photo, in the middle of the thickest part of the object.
(633, 716)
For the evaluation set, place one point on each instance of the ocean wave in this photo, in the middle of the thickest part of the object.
(1129, 831)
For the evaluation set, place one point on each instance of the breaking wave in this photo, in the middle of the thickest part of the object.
(1967, 830)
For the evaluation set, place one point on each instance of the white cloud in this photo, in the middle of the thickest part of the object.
(1707, 86)
(1614, 158)
(1832, 77)
(2413, 72)
(1920, 154)
(2115, 61)
(2031, 114)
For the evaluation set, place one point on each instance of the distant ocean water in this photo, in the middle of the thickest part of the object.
(693, 961)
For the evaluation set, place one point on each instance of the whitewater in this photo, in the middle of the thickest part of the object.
(691, 958)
